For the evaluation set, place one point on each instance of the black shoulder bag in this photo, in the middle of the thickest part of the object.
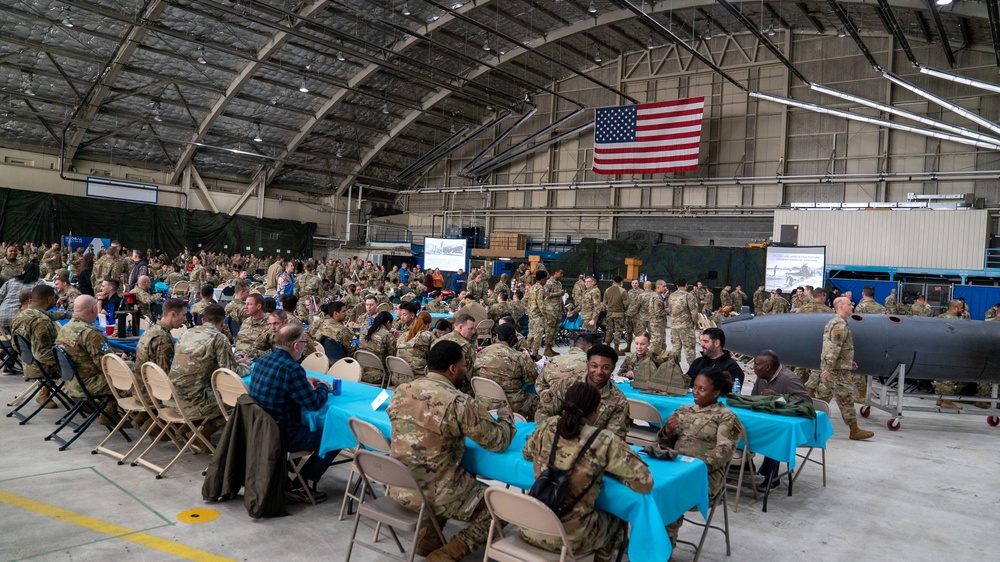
(552, 484)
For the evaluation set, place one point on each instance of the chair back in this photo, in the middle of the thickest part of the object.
(316, 362)
(384, 307)
(333, 349)
(368, 360)
(23, 349)
(67, 368)
(228, 387)
(640, 410)
(485, 328)
(485, 388)
(234, 327)
(157, 383)
(368, 435)
(347, 369)
(385, 470)
(118, 374)
(180, 288)
(399, 366)
(821, 406)
(196, 319)
(526, 512)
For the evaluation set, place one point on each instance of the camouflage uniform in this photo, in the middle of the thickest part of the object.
(156, 345)
(759, 297)
(51, 261)
(645, 363)
(683, 320)
(497, 310)
(736, 299)
(9, 269)
(656, 314)
(591, 306)
(810, 377)
(382, 344)
(709, 434)
(535, 301)
(587, 528)
(614, 320)
(200, 351)
(37, 327)
(553, 309)
(437, 306)
(307, 285)
(173, 278)
(236, 311)
(921, 310)
(468, 349)
(775, 305)
(199, 307)
(414, 352)
(331, 329)
(725, 299)
(612, 414)
(838, 358)
(197, 278)
(644, 299)
(85, 345)
(890, 304)
(255, 338)
(71, 293)
(632, 325)
(512, 370)
(572, 362)
(144, 299)
(311, 345)
(430, 422)
(706, 300)
(869, 307)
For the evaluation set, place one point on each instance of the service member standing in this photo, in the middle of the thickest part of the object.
(683, 320)
(535, 303)
(591, 304)
(836, 364)
(810, 377)
(614, 322)
(759, 296)
(656, 317)
(554, 310)
(632, 326)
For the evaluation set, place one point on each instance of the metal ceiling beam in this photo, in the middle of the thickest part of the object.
(764, 40)
(942, 33)
(102, 86)
(776, 16)
(852, 30)
(817, 25)
(239, 81)
(712, 22)
(925, 27)
(889, 21)
(993, 13)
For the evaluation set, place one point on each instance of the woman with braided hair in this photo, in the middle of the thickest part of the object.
(588, 529)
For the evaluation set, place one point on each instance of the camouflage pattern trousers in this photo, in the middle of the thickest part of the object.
(839, 385)
(552, 321)
(536, 333)
(682, 339)
(614, 325)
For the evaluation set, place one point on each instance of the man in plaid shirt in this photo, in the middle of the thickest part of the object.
(280, 385)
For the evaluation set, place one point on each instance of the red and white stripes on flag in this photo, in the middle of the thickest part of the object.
(649, 138)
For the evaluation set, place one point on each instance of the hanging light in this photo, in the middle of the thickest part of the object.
(456, 5)
(406, 9)
(257, 137)
(340, 152)
(201, 56)
(708, 33)
(943, 2)
(66, 21)
(597, 56)
(770, 30)
(592, 8)
(303, 88)
(341, 57)
(385, 108)
(157, 112)
(486, 45)
(841, 32)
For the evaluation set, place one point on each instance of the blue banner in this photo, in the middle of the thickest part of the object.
(74, 242)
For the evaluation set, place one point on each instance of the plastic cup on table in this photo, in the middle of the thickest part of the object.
(109, 330)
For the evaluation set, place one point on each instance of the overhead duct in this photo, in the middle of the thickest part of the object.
(942, 102)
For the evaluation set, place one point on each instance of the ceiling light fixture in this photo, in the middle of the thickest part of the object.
(592, 8)
(201, 56)
(340, 152)
(943, 2)
(486, 45)
(385, 108)
(527, 99)
(406, 9)
(341, 57)
(157, 112)
(303, 88)
(770, 30)
(257, 137)
(26, 86)
(708, 33)
(67, 23)
(597, 56)
(456, 5)
(841, 32)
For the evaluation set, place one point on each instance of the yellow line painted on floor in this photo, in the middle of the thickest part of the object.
(110, 529)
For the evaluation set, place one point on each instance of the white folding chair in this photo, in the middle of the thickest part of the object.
(390, 473)
(484, 331)
(121, 382)
(820, 406)
(179, 290)
(347, 369)
(528, 513)
(399, 370)
(162, 391)
(483, 387)
(645, 412)
(369, 360)
(316, 362)
(228, 387)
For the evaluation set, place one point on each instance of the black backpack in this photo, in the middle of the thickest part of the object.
(552, 484)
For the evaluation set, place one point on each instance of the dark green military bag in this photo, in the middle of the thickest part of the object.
(667, 379)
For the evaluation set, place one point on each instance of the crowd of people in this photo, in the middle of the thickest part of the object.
(282, 310)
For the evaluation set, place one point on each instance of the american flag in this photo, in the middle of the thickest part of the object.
(649, 138)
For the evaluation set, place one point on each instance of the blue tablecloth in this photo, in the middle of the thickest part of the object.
(161, 287)
(678, 485)
(773, 436)
(436, 315)
(126, 345)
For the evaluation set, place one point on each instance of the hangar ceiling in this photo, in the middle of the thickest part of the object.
(317, 94)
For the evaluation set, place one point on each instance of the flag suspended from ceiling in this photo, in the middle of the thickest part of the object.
(649, 138)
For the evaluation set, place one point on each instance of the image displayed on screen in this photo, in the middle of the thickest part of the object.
(788, 268)
(446, 254)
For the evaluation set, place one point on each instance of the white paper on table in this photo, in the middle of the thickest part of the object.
(379, 400)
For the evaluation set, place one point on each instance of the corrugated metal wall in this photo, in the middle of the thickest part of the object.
(931, 239)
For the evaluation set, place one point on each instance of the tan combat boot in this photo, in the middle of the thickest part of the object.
(455, 550)
(549, 352)
(43, 395)
(428, 541)
(949, 404)
(858, 434)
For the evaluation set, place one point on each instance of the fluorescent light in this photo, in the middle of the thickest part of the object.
(942, 102)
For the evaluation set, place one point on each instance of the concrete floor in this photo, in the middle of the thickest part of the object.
(926, 492)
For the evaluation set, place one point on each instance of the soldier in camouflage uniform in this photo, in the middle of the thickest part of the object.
(109, 267)
(656, 316)
(464, 335)
(157, 344)
(380, 341)
(197, 278)
(501, 308)
(868, 305)
(759, 296)
(207, 293)
(307, 286)
(890, 302)
(836, 364)
(172, 278)
(706, 430)
(85, 345)
(632, 326)
(579, 288)
(37, 328)
(431, 419)
(413, 347)
(437, 304)
(553, 309)
(590, 303)
(920, 307)
(236, 310)
(587, 529)
(66, 293)
(683, 321)
(571, 363)
(954, 312)
(12, 264)
(511, 369)
(810, 377)
(535, 303)
(255, 338)
(725, 299)
(612, 414)
(643, 361)
(647, 294)
(332, 327)
(614, 322)
(503, 286)
(200, 351)
(51, 261)
(776, 304)
(144, 297)
(737, 298)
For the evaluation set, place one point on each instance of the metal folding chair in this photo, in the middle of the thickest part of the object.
(347, 369)
(483, 387)
(369, 360)
(524, 511)
(23, 399)
(369, 438)
(121, 381)
(707, 525)
(228, 387)
(316, 362)
(820, 406)
(96, 404)
(333, 349)
(638, 434)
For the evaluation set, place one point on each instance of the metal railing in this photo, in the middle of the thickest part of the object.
(992, 258)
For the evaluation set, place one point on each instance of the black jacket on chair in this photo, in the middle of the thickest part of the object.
(250, 455)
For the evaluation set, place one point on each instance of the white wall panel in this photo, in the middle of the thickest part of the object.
(931, 239)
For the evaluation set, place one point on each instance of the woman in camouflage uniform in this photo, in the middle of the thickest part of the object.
(380, 341)
(587, 528)
(413, 347)
(503, 364)
(706, 430)
(641, 360)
